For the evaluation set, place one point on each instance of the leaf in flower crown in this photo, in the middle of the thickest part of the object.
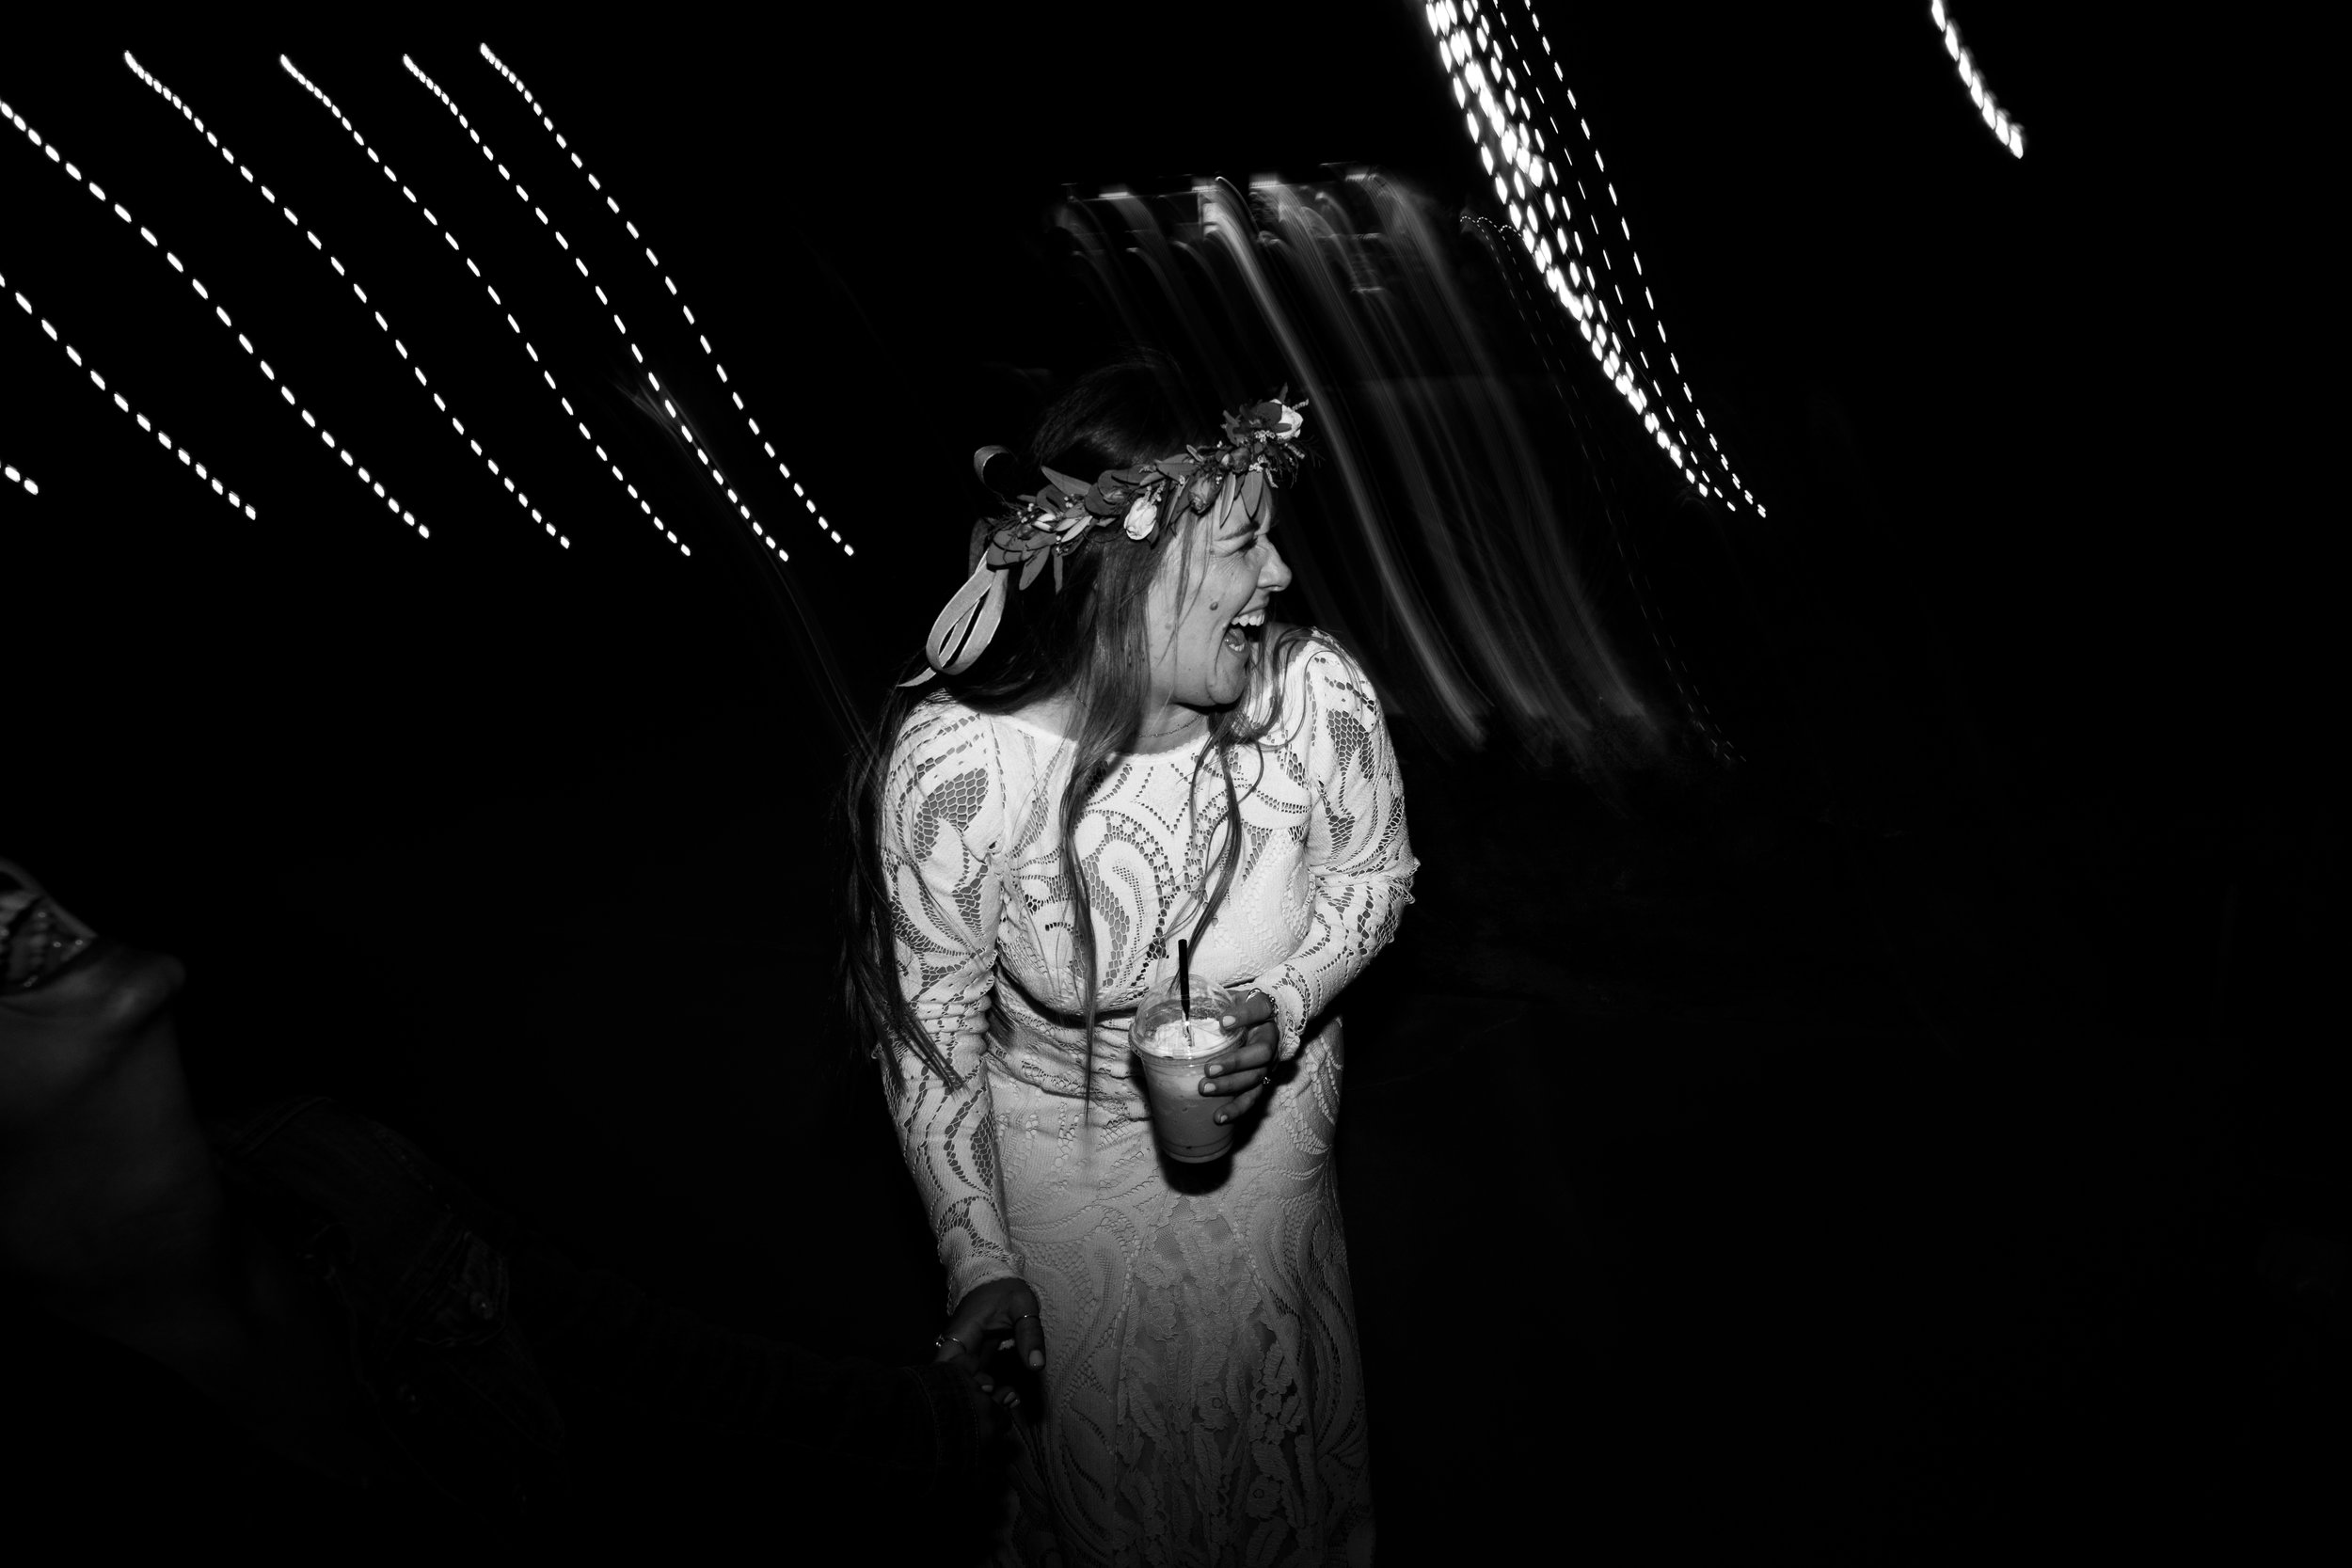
(1253, 495)
(1037, 564)
(1006, 545)
(1107, 500)
(1067, 485)
(1178, 468)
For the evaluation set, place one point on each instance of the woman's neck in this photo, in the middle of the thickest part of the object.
(1171, 727)
(1164, 729)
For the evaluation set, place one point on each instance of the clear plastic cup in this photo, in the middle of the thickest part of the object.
(1178, 1048)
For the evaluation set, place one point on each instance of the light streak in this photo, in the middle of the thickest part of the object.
(2005, 130)
(188, 113)
(17, 476)
(284, 391)
(1661, 636)
(188, 459)
(1533, 175)
(698, 448)
(613, 207)
(457, 250)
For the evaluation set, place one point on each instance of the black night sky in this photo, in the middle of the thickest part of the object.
(1912, 1137)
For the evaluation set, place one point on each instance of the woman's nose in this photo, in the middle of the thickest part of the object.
(1274, 572)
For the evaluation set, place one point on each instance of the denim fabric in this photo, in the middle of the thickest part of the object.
(406, 1253)
(471, 1333)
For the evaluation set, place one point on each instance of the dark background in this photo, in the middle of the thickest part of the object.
(1918, 1136)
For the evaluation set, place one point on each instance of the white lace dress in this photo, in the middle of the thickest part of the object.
(1204, 1398)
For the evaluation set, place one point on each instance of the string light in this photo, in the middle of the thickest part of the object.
(547, 124)
(698, 448)
(17, 476)
(1532, 176)
(2005, 130)
(284, 391)
(423, 383)
(459, 251)
(188, 459)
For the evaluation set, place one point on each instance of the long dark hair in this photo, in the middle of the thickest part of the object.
(1088, 641)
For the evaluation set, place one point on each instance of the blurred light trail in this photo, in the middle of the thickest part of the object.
(186, 457)
(1437, 539)
(2005, 130)
(222, 315)
(1533, 175)
(547, 124)
(189, 113)
(1544, 328)
(17, 476)
(717, 474)
(545, 375)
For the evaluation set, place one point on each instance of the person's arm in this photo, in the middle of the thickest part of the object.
(1357, 853)
(941, 826)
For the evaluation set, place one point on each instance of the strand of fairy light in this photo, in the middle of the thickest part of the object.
(1473, 53)
(547, 124)
(545, 375)
(188, 459)
(18, 476)
(221, 313)
(692, 444)
(188, 113)
(1499, 109)
(2005, 130)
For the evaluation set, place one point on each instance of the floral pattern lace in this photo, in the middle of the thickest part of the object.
(1203, 1398)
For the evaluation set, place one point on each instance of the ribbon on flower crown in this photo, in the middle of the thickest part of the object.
(1259, 453)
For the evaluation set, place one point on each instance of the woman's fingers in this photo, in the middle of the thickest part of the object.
(1254, 1007)
(1245, 1100)
(1250, 1064)
(1028, 1339)
(984, 1312)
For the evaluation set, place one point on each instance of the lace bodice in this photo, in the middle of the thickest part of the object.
(971, 843)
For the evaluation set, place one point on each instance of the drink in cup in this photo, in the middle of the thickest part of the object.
(1178, 1046)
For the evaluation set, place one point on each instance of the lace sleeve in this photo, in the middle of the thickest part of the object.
(1357, 850)
(943, 817)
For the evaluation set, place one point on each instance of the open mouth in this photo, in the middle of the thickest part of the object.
(1243, 633)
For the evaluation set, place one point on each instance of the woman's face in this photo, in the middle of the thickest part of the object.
(1203, 647)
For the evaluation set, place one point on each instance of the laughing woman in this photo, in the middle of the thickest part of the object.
(1124, 755)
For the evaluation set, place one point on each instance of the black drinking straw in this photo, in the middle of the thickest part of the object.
(1183, 973)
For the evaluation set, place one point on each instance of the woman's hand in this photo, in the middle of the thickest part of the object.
(1000, 1315)
(1246, 1077)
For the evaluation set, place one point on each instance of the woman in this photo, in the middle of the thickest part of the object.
(1202, 1401)
(293, 1323)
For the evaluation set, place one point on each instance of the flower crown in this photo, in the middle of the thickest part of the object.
(1259, 453)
